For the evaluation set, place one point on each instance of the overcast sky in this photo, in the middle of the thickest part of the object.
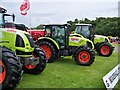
(60, 11)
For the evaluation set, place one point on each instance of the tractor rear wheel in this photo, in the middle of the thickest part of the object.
(10, 69)
(105, 49)
(49, 49)
(42, 62)
(84, 56)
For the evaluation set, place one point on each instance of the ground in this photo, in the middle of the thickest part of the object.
(64, 73)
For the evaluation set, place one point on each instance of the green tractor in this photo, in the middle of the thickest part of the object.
(57, 42)
(18, 53)
(101, 43)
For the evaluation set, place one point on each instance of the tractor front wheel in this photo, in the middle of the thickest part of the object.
(105, 49)
(10, 69)
(49, 49)
(84, 56)
(40, 66)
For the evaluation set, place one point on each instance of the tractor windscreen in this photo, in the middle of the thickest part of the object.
(57, 32)
(1, 20)
(83, 30)
(8, 18)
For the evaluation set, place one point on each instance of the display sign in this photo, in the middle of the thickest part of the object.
(111, 79)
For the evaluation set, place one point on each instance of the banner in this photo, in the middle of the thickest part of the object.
(25, 7)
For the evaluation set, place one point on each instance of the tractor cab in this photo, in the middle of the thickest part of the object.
(58, 32)
(5, 17)
(85, 30)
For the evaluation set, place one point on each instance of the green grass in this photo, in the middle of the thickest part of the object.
(116, 45)
(64, 73)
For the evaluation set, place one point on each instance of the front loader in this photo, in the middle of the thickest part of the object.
(57, 42)
(17, 52)
(101, 43)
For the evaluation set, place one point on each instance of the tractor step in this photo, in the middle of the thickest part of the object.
(31, 61)
(63, 52)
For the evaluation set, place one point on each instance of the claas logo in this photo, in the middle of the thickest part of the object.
(11, 30)
(75, 39)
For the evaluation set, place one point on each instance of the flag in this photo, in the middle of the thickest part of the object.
(25, 7)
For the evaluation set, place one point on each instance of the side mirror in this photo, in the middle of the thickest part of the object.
(13, 17)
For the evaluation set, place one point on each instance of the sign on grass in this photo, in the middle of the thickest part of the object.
(111, 79)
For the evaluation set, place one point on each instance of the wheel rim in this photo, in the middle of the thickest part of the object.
(2, 72)
(84, 56)
(48, 51)
(105, 50)
(30, 66)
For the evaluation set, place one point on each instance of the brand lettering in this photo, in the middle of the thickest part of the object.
(11, 30)
(74, 39)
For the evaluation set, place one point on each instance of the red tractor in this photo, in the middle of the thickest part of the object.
(36, 33)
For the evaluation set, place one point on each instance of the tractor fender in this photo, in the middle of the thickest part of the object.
(50, 40)
(78, 35)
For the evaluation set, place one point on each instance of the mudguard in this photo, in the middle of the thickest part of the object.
(51, 40)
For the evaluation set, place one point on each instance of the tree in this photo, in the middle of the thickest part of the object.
(76, 21)
(39, 27)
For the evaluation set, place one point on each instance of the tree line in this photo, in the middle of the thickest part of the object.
(102, 26)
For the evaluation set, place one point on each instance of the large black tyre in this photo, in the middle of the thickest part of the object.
(104, 49)
(49, 48)
(84, 56)
(11, 69)
(38, 52)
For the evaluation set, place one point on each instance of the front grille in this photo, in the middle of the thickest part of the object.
(19, 41)
(30, 40)
(23, 53)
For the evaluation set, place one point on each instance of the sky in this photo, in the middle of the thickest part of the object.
(60, 11)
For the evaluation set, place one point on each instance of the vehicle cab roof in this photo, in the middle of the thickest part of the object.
(83, 24)
(56, 24)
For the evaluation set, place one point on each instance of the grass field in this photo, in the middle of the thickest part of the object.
(64, 73)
